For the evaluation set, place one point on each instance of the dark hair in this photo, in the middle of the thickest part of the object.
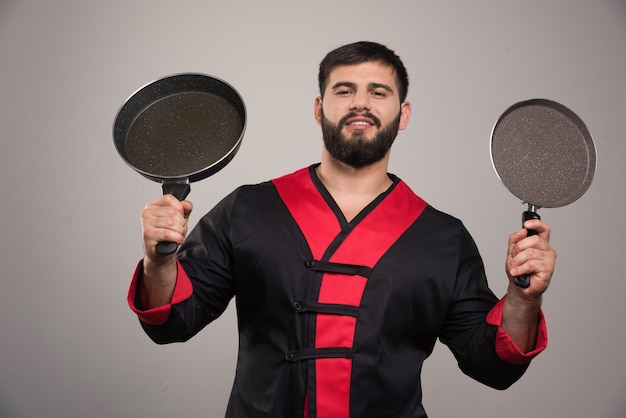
(358, 53)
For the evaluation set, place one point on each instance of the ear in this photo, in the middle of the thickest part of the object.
(317, 109)
(405, 114)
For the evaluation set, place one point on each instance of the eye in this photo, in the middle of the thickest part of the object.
(379, 93)
(343, 92)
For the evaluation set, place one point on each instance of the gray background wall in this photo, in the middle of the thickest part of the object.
(70, 347)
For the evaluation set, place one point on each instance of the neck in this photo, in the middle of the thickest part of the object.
(353, 188)
(339, 177)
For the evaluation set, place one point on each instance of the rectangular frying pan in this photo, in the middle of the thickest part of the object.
(544, 154)
(179, 129)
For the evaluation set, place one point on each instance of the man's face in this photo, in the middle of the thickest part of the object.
(361, 113)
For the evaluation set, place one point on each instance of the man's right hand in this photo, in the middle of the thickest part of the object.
(162, 220)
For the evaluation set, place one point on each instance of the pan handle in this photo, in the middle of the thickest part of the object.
(531, 213)
(179, 188)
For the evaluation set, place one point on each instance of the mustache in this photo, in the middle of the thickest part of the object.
(368, 115)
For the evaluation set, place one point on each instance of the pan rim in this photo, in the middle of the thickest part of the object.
(205, 171)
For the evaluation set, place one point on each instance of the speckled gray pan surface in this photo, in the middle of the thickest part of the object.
(543, 153)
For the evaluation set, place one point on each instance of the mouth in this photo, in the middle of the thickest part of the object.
(361, 121)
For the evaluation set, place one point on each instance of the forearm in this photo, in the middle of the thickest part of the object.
(157, 283)
(520, 319)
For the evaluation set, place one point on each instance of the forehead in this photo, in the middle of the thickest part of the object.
(364, 73)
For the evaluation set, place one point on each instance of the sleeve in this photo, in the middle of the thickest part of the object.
(506, 348)
(471, 329)
(158, 315)
(204, 284)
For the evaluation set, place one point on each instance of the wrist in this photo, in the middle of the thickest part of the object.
(159, 266)
(156, 284)
(522, 308)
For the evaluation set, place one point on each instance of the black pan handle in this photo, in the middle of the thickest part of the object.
(179, 188)
(531, 213)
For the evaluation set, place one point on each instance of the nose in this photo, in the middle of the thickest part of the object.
(360, 101)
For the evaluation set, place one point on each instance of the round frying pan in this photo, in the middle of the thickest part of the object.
(544, 154)
(180, 129)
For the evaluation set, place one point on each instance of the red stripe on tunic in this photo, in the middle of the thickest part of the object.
(332, 380)
(316, 221)
(381, 228)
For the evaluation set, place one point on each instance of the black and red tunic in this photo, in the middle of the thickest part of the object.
(336, 318)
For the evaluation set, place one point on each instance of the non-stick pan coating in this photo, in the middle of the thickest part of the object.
(182, 126)
(543, 153)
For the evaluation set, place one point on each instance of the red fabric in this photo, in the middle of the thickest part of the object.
(333, 387)
(334, 331)
(343, 289)
(316, 221)
(381, 228)
(159, 315)
(506, 349)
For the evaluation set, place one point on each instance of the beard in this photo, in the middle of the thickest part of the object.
(357, 151)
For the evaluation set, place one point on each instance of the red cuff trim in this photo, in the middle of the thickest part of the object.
(506, 349)
(159, 315)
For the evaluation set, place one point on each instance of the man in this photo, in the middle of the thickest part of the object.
(343, 277)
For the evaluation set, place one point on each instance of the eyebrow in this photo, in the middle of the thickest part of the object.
(370, 86)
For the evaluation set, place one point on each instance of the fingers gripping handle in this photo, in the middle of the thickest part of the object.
(179, 189)
(531, 213)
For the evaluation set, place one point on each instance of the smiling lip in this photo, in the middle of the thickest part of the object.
(360, 122)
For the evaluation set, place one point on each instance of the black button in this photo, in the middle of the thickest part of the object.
(289, 356)
(310, 263)
(297, 306)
